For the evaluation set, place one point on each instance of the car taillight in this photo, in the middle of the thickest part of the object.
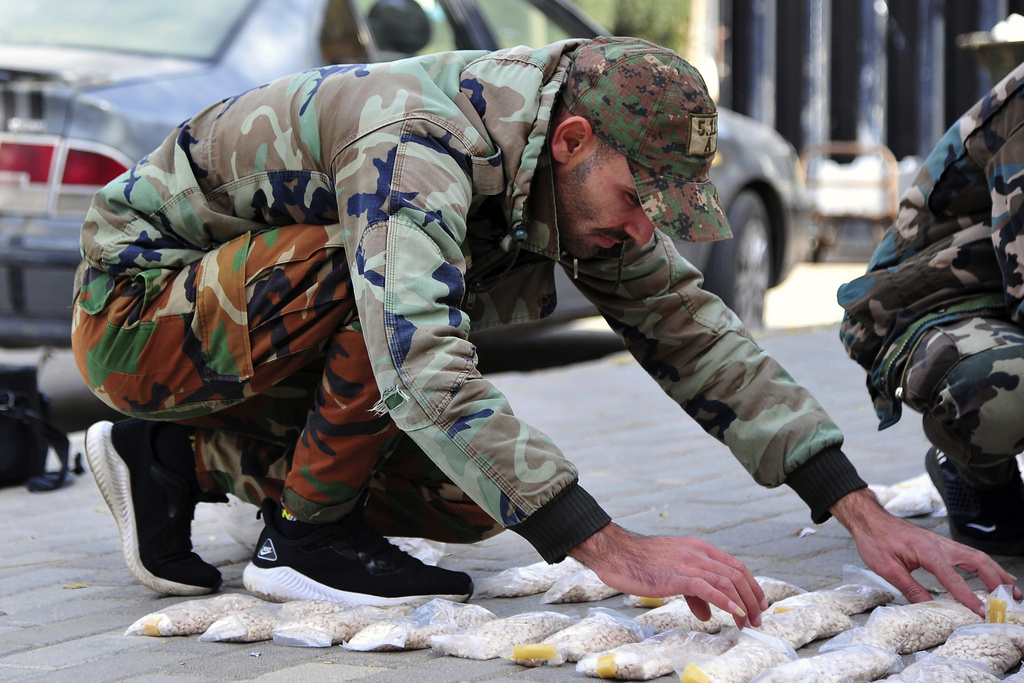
(31, 162)
(46, 174)
(90, 168)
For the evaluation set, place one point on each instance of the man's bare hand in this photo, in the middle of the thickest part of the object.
(660, 566)
(893, 548)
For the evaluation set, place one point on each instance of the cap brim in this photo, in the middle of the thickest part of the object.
(685, 210)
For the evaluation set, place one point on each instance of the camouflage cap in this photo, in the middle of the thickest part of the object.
(651, 105)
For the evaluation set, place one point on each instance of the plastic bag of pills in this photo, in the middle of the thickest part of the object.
(849, 664)
(332, 628)
(529, 580)
(192, 616)
(601, 629)
(489, 640)
(652, 657)
(753, 653)
(773, 589)
(581, 586)
(414, 630)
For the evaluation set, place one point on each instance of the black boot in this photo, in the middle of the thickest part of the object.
(153, 508)
(991, 521)
(347, 562)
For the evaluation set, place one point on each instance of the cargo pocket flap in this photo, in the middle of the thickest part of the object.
(221, 308)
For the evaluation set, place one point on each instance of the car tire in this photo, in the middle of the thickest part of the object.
(740, 268)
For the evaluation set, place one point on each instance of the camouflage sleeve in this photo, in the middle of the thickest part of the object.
(409, 225)
(1004, 181)
(702, 357)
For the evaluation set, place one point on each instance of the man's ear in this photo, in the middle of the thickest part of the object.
(572, 136)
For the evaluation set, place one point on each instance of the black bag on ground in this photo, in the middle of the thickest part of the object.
(26, 434)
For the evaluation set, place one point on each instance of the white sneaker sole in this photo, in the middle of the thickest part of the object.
(112, 478)
(281, 584)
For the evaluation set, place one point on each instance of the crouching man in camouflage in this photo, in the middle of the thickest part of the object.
(937, 319)
(280, 296)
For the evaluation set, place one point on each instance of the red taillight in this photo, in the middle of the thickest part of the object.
(31, 160)
(90, 168)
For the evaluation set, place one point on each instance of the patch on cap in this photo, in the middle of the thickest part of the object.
(703, 139)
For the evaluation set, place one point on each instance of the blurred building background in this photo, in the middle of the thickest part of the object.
(890, 72)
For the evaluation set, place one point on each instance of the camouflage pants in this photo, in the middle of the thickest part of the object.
(301, 427)
(965, 380)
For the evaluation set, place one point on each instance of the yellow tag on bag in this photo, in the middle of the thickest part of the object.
(996, 611)
(535, 651)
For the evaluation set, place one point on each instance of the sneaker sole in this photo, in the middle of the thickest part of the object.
(281, 584)
(112, 478)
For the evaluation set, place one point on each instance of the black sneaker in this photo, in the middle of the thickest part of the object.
(348, 562)
(153, 509)
(991, 521)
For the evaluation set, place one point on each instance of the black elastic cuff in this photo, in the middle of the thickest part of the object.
(823, 480)
(562, 523)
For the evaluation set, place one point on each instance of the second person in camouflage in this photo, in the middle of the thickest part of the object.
(280, 297)
(937, 320)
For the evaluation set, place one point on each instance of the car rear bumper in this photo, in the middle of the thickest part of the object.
(38, 258)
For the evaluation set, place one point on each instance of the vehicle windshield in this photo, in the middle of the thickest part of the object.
(192, 29)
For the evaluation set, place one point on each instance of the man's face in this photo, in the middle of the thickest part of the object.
(597, 204)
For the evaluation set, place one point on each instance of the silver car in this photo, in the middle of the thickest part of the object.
(89, 87)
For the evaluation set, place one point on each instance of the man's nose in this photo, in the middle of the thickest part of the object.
(640, 228)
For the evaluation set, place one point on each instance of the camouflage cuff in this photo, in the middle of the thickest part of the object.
(823, 480)
(562, 523)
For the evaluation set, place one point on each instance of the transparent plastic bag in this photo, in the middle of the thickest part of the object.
(600, 630)
(677, 614)
(520, 581)
(258, 623)
(906, 629)
(192, 616)
(753, 653)
(490, 640)
(1001, 608)
(414, 630)
(849, 599)
(861, 591)
(332, 628)
(1000, 646)
(248, 626)
(849, 664)
(938, 669)
(773, 589)
(423, 549)
(581, 586)
(652, 657)
(804, 624)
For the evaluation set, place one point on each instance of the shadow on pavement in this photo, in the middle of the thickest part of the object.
(545, 348)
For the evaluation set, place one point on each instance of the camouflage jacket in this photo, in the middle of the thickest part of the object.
(953, 249)
(435, 170)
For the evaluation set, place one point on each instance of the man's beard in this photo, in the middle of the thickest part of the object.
(574, 210)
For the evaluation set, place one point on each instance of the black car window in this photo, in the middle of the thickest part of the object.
(192, 29)
(402, 28)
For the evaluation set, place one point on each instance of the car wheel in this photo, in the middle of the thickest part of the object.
(740, 269)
